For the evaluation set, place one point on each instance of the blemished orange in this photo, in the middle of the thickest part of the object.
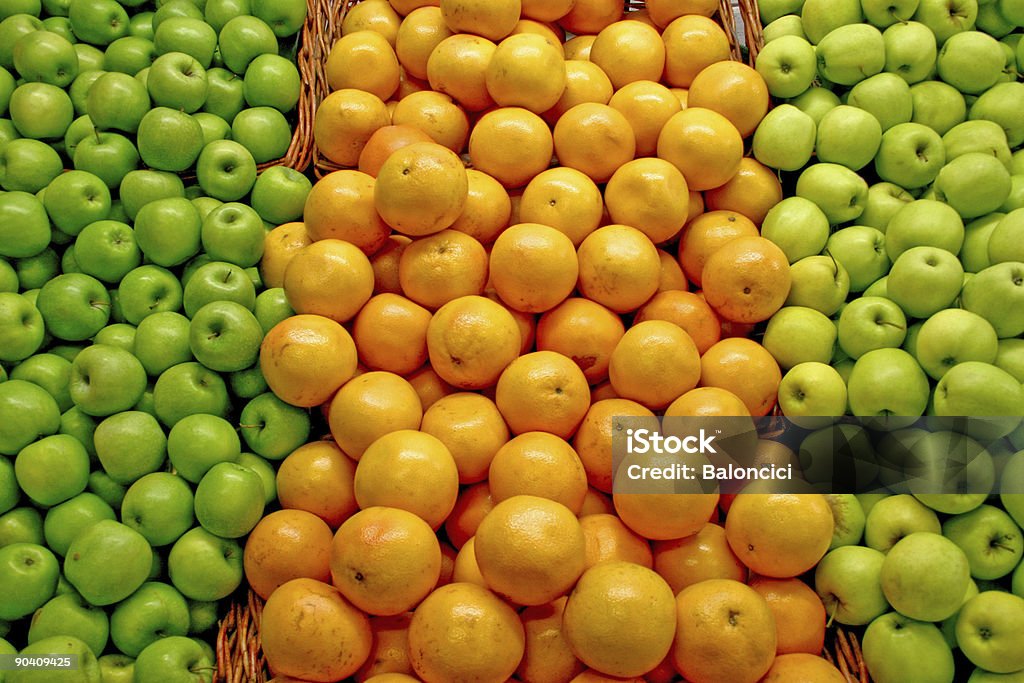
(369, 406)
(420, 32)
(654, 363)
(584, 82)
(305, 358)
(421, 189)
(546, 10)
(389, 655)
(734, 90)
(692, 42)
(620, 618)
(340, 206)
(466, 568)
(543, 391)
(385, 264)
(593, 441)
(457, 67)
(437, 268)
(725, 631)
(564, 198)
(317, 478)
(385, 141)
(799, 614)
(390, 333)
(527, 71)
(330, 277)
(472, 506)
(647, 106)
(665, 516)
(747, 279)
(584, 331)
(706, 402)
(410, 470)
(705, 234)
(578, 47)
(608, 539)
(465, 632)
(437, 115)
(279, 245)
(801, 667)
(651, 195)
(471, 340)
(629, 51)
(404, 7)
(385, 560)
(492, 19)
(704, 145)
(745, 368)
(688, 311)
(538, 464)
(671, 276)
(310, 631)
(590, 16)
(548, 656)
(511, 144)
(372, 15)
(619, 267)
(470, 425)
(704, 555)
(487, 209)
(779, 535)
(533, 267)
(364, 60)
(595, 139)
(596, 503)
(429, 386)
(530, 549)
(753, 191)
(286, 545)
(344, 121)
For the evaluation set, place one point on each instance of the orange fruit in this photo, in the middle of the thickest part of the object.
(310, 631)
(753, 191)
(640, 15)
(682, 94)
(619, 267)
(671, 276)
(407, 85)
(525, 322)
(596, 503)
(725, 631)
(629, 51)
(550, 32)
(369, 406)
(463, 632)
(548, 656)
(487, 209)
(457, 67)
(533, 267)
(471, 340)
(385, 264)
(608, 539)
(702, 144)
(385, 560)
(654, 363)
(383, 142)
(799, 614)
(688, 311)
(448, 554)
(466, 568)
(340, 206)
(734, 90)
(286, 545)
(647, 106)
(584, 82)
(344, 121)
(472, 506)
(470, 425)
(584, 331)
(592, 676)
(595, 139)
(565, 199)
(707, 401)
(530, 549)
(330, 277)
(590, 16)
(364, 60)
(620, 618)
(800, 667)
(543, 391)
(404, 7)
(578, 48)
(389, 655)
(705, 234)
(437, 115)
(649, 194)
(746, 369)
(663, 12)
(747, 279)
(546, 10)
(279, 246)
(779, 535)
(593, 441)
(390, 333)
(692, 42)
(696, 205)
(429, 386)
(664, 516)
(372, 15)
(493, 19)
(435, 269)
(526, 71)
(409, 470)
(391, 677)
(538, 464)
(421, 189)
(420, 32)
(317, 478)
(704, 555)
(305, 358)
(511, 144)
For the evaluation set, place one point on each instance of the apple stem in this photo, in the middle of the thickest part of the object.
(832, 613)
(96, 133)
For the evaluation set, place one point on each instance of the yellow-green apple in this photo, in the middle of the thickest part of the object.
(995, 294)
(226, 170)
(897, 648)
(946, 18)
(264, 131)
(924, 222)
(219, 12)
(225, 336)
(990, 539)
(108, 155)
(884, 200)
(848, 135)
(953, 336)
(226, 95)
(12, 28)
(1011, 491)
(279, 194)
(107, 250)
(924, 280)
(988, 631)
(272, 428)
(24, 226)
(850, 53)
(21, 525)
(839, 192)
(979, 135)
(116, 667)
(272, 81)
(174, 659)
(924, 576)
(1009, 357)
(75, 199)
(971, 62)
(910, 50)
(284, 17)
(974, 251)
(815, 101)
(266, 472)
(177, 81)
(883, 13)
(860, 250)
(910, 155)
(799, 334)
(847, 580)
(975, 184)
(143, 186)
(849, 519)
(885, 96)
(233, 232)
(186, 35)
(129, 55)
(821, 16)
(28, 165)
(872, 375)
(130, 445)
(785, 138)
(1004, 243)
(41, 111)
(1002, 104)
(99, 22)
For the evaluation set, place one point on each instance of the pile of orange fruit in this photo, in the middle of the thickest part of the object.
(543, 218)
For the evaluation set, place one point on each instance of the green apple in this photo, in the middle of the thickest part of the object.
(166, 9)
(66, 520)
(107, 562)
(116, 667)
(272, 81)
(848, 135)
(1011, 493)
(81, 128)
(279, 194)
(130, 445)
(177, 81)
(168, 231)
(988, 631)
(186, 35)
(839, 192)
(815, 101)
(225, 336)
(21, 525)
(107, 250)
(10, 494)
(108, 155)
(1010, 357)
(799, 334)
(28, 576)
(106, 488)
(847, 580)
(284, 17)
(35, 271)
(850, 53)
(156, 610)
(79, 425)
(21, 327)
(86, 669)
(188, 389)
(980, 389)
(90, 57)
(266, 472)
(24, 225)
(174, 659)
(46, 57)
(106, 380)
(161, 341)
(143, 186)
(946, 18)
(226, 170)
(991, 21)
(884, 200)
(924, 222)
(218, 281)
(971, 62)
(989, 538)
(885, 96)
(130, 55)
(897, 648)
(878, 370)
(12, 28)
(75, 199)
(797, 226)
(219, 12)
(910, 155)
(233, 232)
(244, 38)
(229, 500)
(974, 252)
(117, 334)
(41, 111)
(69, 615)
(924, 576)
(159, 506)
(849, 519)
(1002, 104)
(994, 293)
(883, 13)
(978, 135)
(954, 336)
(198, 442)
(975, 184)
(1015, 200)
(148, 290)
(204, 566)
(924, 280)
(226, 95)
(788, 66)
(272, 428)
(248, 383)
(37, 461)
(949, 472)
(1004, 240)
(860, 251)
(822, 16)
(28, 165)
(214, 127)
(117, 101)
(169, 140)
(203, 616)
(910, 51)
(264, 131)
(99, 22)
(948, 625)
